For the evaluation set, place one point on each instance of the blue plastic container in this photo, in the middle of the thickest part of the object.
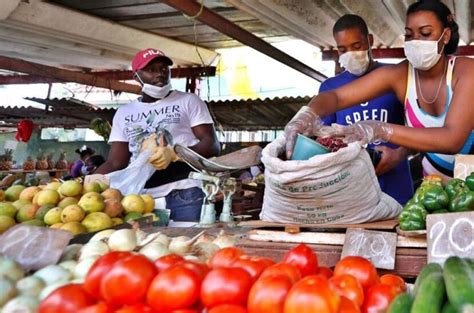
(306, 148)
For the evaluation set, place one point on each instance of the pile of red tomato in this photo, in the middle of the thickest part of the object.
(231, 282)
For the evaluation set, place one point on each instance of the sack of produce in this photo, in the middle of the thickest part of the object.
(337, 187)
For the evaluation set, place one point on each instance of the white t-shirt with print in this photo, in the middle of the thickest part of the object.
(173, 116)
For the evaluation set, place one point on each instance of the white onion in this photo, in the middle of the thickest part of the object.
(53, 274)
(180, 245)
(162, 238)
(191, 257)
(30, 286)
(7, 290)
(204, 250)
(71, 252)
(83, 267)
(11, 269)
(50, 288)
(21, 304)
(94, 248)
(123, 240)
(69, 265)
(154, 250)
(224, 241)
(102, 235)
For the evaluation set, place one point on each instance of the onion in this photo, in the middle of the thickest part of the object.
(154, 250)
(102, 235)
(191, 257)
(71, 252)
(224, 241)
(7, 290)
(83, 267)
(94, 248)
(141, 235)
(69, 265)
(204, 250)
(30, 286)
(183, 244)
(50, 288)
(53, 274)
(11, 269)
(123, 240)
(163, 239)
(21, 304)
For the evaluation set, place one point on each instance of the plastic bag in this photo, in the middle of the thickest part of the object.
(132, 179)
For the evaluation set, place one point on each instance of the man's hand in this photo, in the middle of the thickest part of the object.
(390, 158)
(162, 156)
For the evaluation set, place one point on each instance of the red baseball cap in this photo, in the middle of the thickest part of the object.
(143, 57)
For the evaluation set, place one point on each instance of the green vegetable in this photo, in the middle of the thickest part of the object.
(431, 294)
(463, 201)
(454, 186)
(413, 217)
(401, 304)
(459, 279)
(425, 272)
(470, 181)
(435, 198)
(449, 308)
(442, 211)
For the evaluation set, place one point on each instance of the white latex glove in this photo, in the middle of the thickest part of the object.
(364, 132)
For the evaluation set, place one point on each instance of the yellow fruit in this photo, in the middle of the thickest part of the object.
(53, 216)
(112, 193)
(29, 193)
(26, 212)
(133, 203)
(132, 216)
(117, 221)
(57, 225)
(92, 202)
(2, 195)
(149, 203)
(74, 228)
(13, 192)
(72, 213)
(19, 203)
(47, 196)
(8, 209)
(91, 187)
(70, 188)
(53, 185)
(103, 186)
(113, 207)
(5, 223)
(67, 201)
(97, 221)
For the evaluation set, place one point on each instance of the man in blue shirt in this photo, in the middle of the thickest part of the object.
(353, 43)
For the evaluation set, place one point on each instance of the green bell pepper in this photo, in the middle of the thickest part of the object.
(463, 201)
(454, 186)
(432, 180)
(413, 217)
(442, 211)
(470, 181)
(420, 193)
(435, 198)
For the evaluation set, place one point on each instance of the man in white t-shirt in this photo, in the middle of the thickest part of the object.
(180, 118)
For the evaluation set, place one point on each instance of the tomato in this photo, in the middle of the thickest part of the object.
(97, 308)
(225, 257)
(175, 288)
(362, 269)
(288, 270)
(128, 280)
(312, 294)
(378, 298)
(186, 311)
(135, 308)
(228, 308)
(199, 268)
(267, 261)
(303, 258)
(268, 294)
(166, 261)
(394, 280)
(66, 299)
(226, 285)
(101, 266)
(325, 272)
(253, 265)
(348, 286)
(348, 306)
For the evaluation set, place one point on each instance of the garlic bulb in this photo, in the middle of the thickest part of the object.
(154, 250)
(98, 248)
(224, 241)
(7, 290)
(102, 235)
(30, 286)
(23, 304)
(123, 240)
(69, 265)
(71, 252)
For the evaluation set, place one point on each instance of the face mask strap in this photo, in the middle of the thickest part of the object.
(138, 76)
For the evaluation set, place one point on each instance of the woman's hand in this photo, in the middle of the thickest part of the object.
(364, 132)
(390, 158)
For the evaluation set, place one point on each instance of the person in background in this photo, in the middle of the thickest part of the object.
(354, 44)
(169, 117)
(91, 164)
(84, 153)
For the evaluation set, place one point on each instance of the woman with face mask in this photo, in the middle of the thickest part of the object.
(435, 87)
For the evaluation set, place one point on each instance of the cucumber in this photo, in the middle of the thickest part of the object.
(431, 294)
(459, 279)
(401, 304)
(449, 308)
(425, 271)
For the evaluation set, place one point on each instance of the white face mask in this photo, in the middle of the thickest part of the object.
(423, 54)
(355, 62)
(153, 91)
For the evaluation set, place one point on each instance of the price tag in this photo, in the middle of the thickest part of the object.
(376, 246)
(463, 165)
(450, 234)
(34, 247)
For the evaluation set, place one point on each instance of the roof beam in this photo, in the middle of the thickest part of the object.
(208, 17)
(180, 72)
(65, 75)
